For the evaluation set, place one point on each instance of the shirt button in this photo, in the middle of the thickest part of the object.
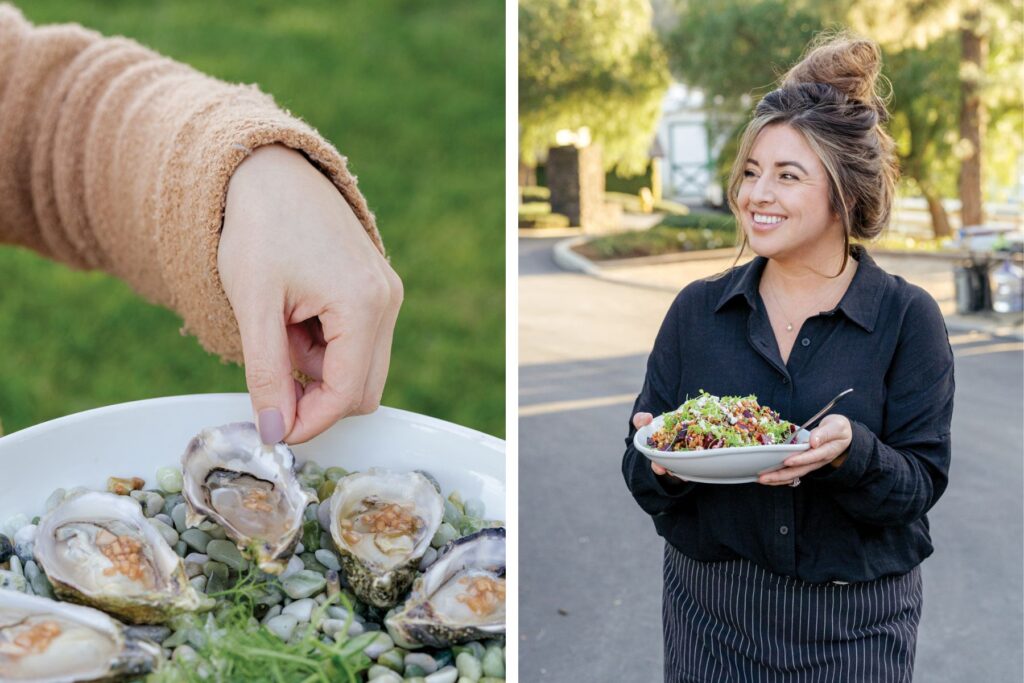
(785, 380)
(805, 342)
(783, 530)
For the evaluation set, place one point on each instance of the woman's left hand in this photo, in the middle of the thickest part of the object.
(829, 441)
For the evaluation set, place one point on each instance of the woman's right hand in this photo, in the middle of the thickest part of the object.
(642, 420)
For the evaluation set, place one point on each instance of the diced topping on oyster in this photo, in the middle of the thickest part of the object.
(382, 523)
(249, 489)
(53, 642)
(460, 597)
(98, 549)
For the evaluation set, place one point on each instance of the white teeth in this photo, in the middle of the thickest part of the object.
(761, 218)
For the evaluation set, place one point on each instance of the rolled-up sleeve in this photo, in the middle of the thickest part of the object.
(657, 494)
(895, 477)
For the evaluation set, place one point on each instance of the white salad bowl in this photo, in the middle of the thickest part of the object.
(135, 439)
(719, 465)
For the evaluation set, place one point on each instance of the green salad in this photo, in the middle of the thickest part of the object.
(709, 421)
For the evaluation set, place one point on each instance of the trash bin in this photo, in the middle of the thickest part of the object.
(971, 284)
(1008, 296)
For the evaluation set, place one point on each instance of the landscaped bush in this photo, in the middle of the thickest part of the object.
(533, 193)
(656, 241)
(717, 222)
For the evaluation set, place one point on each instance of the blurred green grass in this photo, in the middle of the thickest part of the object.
(413, 93)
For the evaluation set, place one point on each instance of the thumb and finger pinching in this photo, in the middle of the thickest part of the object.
(268, 374)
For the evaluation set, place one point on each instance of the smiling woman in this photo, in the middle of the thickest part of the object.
(828, 548)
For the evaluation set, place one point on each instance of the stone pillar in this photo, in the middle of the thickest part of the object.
(575, 177)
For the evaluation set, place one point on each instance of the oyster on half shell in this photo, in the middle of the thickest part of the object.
(98, 549)
(459, 598)
(249, 489)
(46, 641)
(382, 522)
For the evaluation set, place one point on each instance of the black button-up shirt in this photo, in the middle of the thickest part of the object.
(865, 519)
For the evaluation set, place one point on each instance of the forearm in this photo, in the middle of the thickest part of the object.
(885, 485)
(117, 158)
(655, 494)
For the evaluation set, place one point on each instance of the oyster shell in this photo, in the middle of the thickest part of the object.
(98, 549)
(382, 522)
(249, 489)
(46, 641)
(460, 597)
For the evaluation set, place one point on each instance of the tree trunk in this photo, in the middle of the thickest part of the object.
(527, 174)
(972, 56)
(940, 219)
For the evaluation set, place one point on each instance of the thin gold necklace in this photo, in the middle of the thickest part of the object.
(789, 325)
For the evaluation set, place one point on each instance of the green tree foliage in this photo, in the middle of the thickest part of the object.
(592, 63)
(735, 50)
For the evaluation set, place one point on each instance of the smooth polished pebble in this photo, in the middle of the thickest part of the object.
(295, 565)
(449, 674)
(283, 625)
(301, 609)
(336, 612)
(303, 584)
(271, 613)
(451, 513)
(178, 514)
(169, 479)
(168, 532)
(332, 626)
(226, 552)
(152, 503)
(428, 558)
(378, 646)
(469, 666)
(194, 563)
(309, 514)
(446, 532)
(494, 662)
(382, 674)
(474, 507)
(393, 659)
(199, 583)
(323, 515)
(327, 559)
(422, 660)
(195, 539)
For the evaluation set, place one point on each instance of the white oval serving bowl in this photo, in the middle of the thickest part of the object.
(719, 465)
(134, 439)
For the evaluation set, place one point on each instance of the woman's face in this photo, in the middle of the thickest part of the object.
(783, 199)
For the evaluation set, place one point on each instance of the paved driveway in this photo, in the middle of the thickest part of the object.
(590, 559)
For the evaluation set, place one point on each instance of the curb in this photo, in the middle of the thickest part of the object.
(569, 260)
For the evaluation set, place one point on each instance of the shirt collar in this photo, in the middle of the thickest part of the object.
(861, 303)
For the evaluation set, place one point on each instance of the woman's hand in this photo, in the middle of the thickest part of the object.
(310, 292)
(642, 420)
(829, 442)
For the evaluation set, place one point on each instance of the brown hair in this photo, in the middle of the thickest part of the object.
(830, 97)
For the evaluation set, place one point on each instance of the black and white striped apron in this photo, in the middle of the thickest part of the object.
(735, 621)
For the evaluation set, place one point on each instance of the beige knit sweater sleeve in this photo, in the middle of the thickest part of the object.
(113, 157)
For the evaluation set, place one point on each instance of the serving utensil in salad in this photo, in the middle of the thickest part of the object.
(820, 413)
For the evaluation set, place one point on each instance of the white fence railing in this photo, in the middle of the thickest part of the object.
(910, 216)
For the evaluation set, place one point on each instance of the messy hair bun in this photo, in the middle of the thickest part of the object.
(831, 98)
(850, 64)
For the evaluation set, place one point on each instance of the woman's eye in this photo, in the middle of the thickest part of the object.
(748, 174)
(788, 176)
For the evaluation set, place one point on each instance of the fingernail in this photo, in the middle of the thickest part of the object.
(271, 426)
